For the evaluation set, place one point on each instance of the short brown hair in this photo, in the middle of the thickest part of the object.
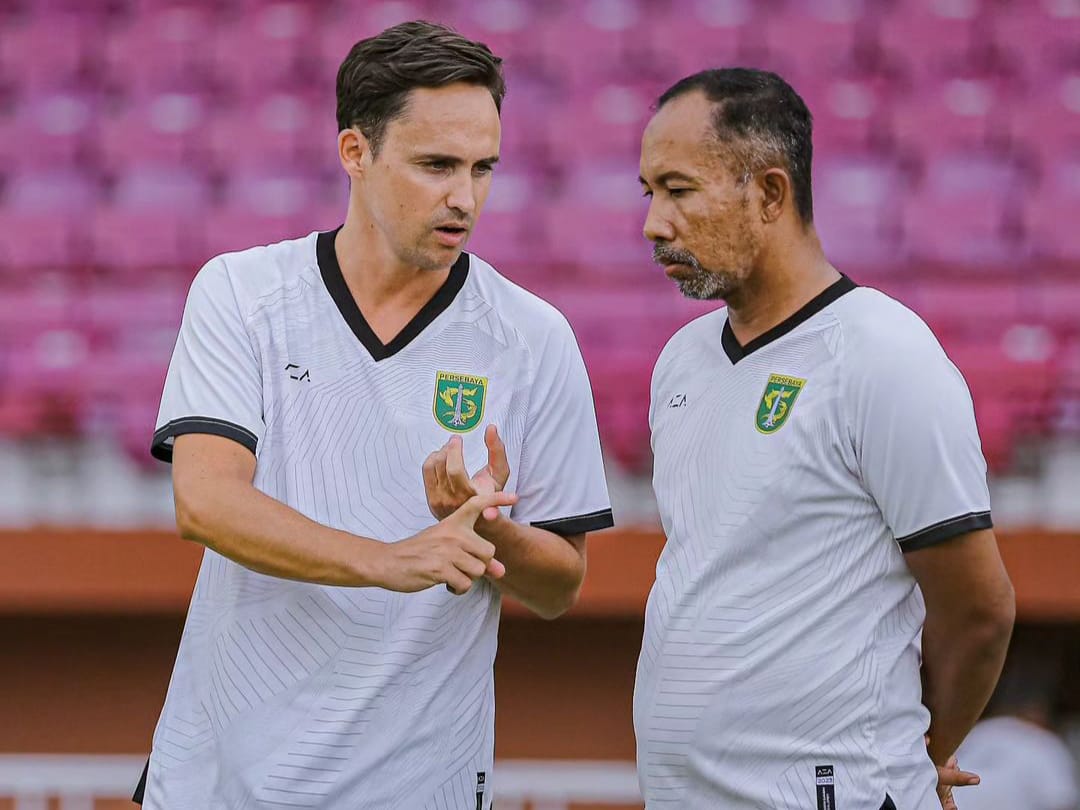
(374, 81)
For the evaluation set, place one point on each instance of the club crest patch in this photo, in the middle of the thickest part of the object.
(459, 400)
(777, 402)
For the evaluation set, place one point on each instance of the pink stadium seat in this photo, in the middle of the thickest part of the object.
(48, 129)
(1057, 304)
(604, 120)
(133, 241)
(951, 112)
(164, 46)
(924, 34)
(1055, 26)
(226, 230)
(965, 210)
(819, 33)
(69, 39)
(963, 231)
(58, 191)
(36, 239)
(164, 128)
(286, 128)
(856, 211)
(1047, 122)
(273, 192)
(264, 48)
(162, 187)
(851, 111)
(982, 308)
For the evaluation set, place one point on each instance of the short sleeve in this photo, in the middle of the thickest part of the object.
(561, 485)
(918, 449)
(214, 382)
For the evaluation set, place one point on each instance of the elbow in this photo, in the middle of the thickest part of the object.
(994, 618)
(560, 605)
(191, 518)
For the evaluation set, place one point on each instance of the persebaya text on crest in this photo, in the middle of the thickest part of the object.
(776, 403)
(459, 400)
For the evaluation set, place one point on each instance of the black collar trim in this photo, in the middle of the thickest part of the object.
(737, 352)
(346, 304)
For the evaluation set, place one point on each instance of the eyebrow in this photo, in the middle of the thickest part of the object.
(454, 161)
(666, 176)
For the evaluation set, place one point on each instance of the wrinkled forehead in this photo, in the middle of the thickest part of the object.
(458, 119)
(681, 138)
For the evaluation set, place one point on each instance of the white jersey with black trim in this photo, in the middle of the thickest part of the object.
(781, 655)
(288, 694)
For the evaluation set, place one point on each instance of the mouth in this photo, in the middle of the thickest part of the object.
(451, 235)
(674, 270)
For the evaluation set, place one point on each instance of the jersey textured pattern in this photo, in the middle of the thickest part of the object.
(782, 633)
(290, 694)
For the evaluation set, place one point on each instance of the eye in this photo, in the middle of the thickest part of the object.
(646, 193)
(437, 165)
(678, 192)
(483, 168)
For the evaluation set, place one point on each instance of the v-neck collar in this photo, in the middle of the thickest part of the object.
(346, 304)
(736, 352)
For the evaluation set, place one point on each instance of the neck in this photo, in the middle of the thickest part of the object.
(376, 277)
(778, 288)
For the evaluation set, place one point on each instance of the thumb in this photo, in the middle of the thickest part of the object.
(497, 463)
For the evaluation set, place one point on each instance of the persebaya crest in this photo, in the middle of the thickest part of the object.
(777, 402)
(459, 401)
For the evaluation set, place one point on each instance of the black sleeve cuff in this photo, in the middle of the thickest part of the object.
(945, 530)
(162, 446)
(579, 524)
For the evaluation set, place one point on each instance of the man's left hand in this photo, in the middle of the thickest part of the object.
(448, 484)
(949, 777)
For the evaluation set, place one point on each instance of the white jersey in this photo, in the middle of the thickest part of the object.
(780, 663)
(290, 694)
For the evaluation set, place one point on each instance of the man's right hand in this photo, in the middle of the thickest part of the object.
(450, 552)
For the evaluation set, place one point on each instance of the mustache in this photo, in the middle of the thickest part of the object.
(664, 254)
(455, 220)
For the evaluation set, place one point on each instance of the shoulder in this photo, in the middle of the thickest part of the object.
(871, 321)
(249, 275)
(536, 321)
(702, 330)
(887, 350)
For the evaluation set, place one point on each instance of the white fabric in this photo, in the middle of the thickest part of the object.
(782, 632)
(1020, 765)
(288, 694)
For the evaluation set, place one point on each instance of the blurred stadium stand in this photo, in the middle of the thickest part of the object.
(140, 137)
(137, 139)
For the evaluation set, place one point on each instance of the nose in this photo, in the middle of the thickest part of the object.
(462, 196)
(657, 227)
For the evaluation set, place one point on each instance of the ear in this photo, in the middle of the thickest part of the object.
(776, 194)
(354, 152)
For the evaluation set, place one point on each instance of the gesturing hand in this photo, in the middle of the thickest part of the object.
(949, 777)
(448, 484)
(450, 552)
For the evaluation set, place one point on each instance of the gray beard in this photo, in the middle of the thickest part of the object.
(703, 285)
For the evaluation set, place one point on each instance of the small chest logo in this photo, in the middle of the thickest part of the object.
(777, 402)
(459, 401)
(677, 401)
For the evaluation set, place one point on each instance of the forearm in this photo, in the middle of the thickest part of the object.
(544, 570)
(962, 663)
(238, 521)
